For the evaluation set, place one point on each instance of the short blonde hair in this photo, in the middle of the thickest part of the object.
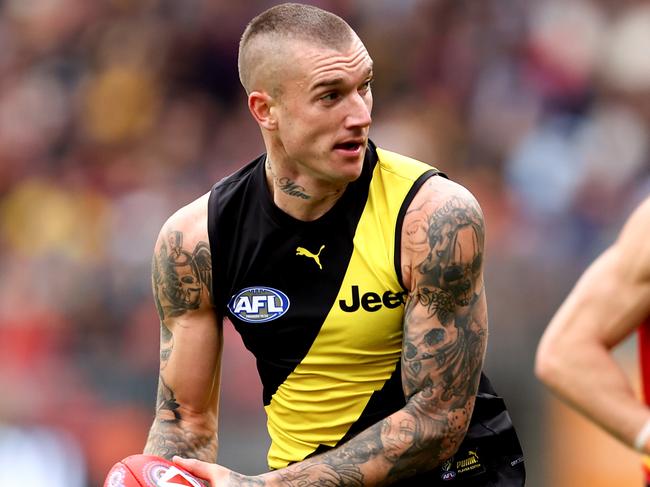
(288, 21)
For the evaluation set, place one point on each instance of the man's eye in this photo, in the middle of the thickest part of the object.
(330, 96)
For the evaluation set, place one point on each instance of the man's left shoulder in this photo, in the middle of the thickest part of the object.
(442, 194)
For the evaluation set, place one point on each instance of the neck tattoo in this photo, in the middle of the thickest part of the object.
(286, 185)
(289, 187)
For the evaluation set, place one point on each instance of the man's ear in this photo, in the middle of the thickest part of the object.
(260, 104)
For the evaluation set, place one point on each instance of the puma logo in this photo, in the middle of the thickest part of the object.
(307, 253)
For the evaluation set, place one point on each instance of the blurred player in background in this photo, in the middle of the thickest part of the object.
(353, 274)
(610, 301)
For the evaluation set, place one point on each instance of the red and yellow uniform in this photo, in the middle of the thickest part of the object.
(644, 358)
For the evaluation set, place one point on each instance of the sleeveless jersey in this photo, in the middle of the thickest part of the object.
(644, 359)
(320, 304)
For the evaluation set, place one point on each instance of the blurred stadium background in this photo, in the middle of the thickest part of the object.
(113, 113)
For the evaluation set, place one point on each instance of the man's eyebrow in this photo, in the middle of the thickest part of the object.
(329, 83)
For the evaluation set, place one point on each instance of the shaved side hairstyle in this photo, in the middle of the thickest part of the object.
(264, 38)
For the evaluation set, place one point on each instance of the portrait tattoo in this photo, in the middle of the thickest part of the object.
(179, 277)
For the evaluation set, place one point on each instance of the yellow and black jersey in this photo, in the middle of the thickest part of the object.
(320, 304)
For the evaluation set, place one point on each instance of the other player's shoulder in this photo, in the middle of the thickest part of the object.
(639, 220)
(632, 248)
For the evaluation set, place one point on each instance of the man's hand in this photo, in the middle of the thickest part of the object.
(216, 475)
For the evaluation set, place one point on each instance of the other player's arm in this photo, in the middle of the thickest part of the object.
(609, 301)
(185, 422)
(445, 328)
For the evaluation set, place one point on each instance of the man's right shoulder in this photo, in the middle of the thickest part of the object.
(191, 220)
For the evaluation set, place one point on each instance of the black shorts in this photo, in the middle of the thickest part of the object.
(473, 468)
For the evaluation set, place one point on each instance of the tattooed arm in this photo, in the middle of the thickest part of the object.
(190, 339)
(445, 329)
(445, 324)
(611, 300)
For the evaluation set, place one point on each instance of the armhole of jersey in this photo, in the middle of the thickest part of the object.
(400, 219)
(644, 359)
(213, 216)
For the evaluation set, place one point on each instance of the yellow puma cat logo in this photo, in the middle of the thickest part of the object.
(307, 253)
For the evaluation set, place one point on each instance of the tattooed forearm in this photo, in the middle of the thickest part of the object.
(400, 444)
(167, 436)
(341, 466)
(167, 440)
(181, 279)
(245, 481)
(323, 474)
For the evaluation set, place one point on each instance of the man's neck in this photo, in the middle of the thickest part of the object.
(299, 195)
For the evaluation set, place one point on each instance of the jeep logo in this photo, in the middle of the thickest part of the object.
(372, 301)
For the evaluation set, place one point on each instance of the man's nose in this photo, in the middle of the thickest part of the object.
(360, 112)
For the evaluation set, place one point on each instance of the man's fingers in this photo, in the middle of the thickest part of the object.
(193, 466)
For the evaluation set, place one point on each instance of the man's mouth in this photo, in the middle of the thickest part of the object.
(350, 146)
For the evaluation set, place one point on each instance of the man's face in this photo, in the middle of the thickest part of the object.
(323, 110)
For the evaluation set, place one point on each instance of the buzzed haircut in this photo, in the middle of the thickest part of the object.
(292, 21)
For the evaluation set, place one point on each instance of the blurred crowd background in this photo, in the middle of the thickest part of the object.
(114, 113)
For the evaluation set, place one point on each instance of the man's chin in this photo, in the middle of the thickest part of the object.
(351, 173)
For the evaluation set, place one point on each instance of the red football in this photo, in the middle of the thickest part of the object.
(148, 471)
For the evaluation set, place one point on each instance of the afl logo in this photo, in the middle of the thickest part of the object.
(448, 475)
(446, 470)
(259, 304)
